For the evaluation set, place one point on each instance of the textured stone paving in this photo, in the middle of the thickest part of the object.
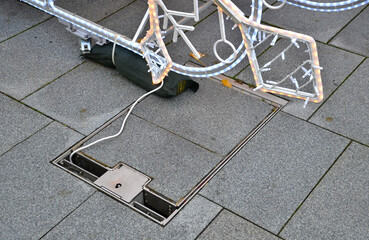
(303, 176)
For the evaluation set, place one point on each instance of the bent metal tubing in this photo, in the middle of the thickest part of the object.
(244, 24)
(238, 17)
(99, 32)
(160, 65)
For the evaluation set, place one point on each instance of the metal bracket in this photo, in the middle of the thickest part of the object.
(85, 45)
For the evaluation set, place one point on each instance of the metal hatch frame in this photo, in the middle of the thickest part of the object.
(148, 202)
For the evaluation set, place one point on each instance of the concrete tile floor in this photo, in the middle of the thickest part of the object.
(321, 182)
(338, 207)
(359, 42)
(16, 17)
(277, 171)
(67, 101)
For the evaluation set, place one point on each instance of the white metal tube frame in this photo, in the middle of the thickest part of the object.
(161, 65)
(92, 30)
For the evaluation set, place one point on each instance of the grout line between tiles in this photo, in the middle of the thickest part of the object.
(224, 208)
(47, 19)
(64, 124)
(43, 86)
(340, 48)
(18, 143)
(352, 19)
(316, 185)
(212, 220)
(327, 98)
(111, 14)
(326, 129)
(68, 214)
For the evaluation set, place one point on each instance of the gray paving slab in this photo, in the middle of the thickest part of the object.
(176, 165)
(215, 117)
(17, 122)
(86, 97)
(16, 17)
(93, 10)
(354, 37)
(338, 207)
(337, 65)
(346, 111)
(132, 14)
(36, 57)
(320, 25)
(230, 226)
(270, 177)
(100, 217)
(35, 195)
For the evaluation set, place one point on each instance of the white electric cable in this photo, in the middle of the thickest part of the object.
(123, 124)
(125, 119)
(113, 51)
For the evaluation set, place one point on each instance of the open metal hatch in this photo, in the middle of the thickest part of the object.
(131, 184)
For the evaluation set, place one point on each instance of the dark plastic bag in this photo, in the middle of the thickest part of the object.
(135, 69)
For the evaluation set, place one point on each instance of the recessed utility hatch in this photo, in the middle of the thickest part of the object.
(171, 148)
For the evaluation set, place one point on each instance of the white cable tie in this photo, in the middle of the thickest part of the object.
(252, 6)
(304, 69)
(267, 64)
(259, 36)
(307, 50)
(307, 73)
(294, 80)
(316, 89)
(113, 51)
(257, 88)
(274, 40)
(264, 35)
(317, 67)
(146, 54)
(271, 82)
(151, 69)
(306, 101)
(234, 27)
(264, 69)
(283, 56)
(295, 43)
(248, 35)
(122, 126)
(253, 38)
(227, 17)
